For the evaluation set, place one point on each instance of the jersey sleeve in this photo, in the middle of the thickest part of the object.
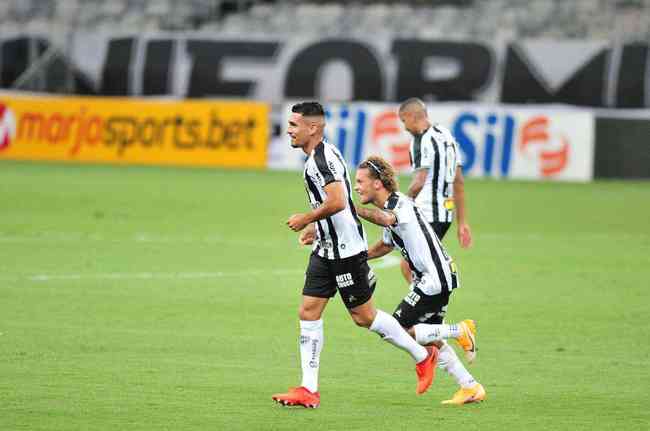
(328, 166)
(403, 211)
(386, 238)
(452, 139)
(459, 155)
(421, 152)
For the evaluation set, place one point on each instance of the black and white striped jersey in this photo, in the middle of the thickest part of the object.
(340, 235)
(436, 150)
(419, 245)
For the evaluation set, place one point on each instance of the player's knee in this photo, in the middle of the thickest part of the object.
(363, 320)
(308, 313)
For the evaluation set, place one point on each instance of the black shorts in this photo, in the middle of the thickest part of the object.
(440, 228)
(416, 307)
(349, 276)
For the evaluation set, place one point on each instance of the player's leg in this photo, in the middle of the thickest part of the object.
(424, 303)
(311, 339)
(406, 271)
(463, 332)
(385, 325)
(351, 275)
(426, 294)
(316, 293)
(470, 390)
(431, 309)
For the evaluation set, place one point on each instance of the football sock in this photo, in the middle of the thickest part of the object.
(391, 331)
(448, 361)
(311, 344)
(427, 334)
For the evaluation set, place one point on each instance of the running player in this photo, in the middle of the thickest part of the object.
(433, 272)
(438, 186)
(338, 260)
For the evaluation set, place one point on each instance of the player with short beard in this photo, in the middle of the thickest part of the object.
(338, 261)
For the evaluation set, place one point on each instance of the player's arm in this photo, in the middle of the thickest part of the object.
(464, 232)
(417, 182)
(377, 216)
(379, 249)
(333, 203)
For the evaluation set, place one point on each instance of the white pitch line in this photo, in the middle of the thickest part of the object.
(142, 238)
(159, 275)
(386, 262)
(151, 275)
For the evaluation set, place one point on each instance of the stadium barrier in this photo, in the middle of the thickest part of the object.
(622, 145)
(502, 141)
(134, 131)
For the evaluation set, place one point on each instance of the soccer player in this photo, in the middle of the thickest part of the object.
(438, 184)
(433, 273)
(338, 260)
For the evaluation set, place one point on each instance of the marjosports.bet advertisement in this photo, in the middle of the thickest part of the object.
(129, 130)
(502, 141)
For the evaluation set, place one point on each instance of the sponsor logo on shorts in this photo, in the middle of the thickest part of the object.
(344, 280)
(412, 299)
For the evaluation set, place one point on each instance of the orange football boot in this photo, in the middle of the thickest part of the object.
(426, 370)
(300, 396)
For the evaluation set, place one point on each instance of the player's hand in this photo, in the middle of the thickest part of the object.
(307, 237)
(464, 235)
(297, 222)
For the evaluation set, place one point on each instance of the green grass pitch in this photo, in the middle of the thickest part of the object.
(136, 298)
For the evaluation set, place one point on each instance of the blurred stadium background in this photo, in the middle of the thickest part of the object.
(164, 297)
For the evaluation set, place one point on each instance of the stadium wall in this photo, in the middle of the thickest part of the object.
(622, 146)
(496, 141)
(539, 142)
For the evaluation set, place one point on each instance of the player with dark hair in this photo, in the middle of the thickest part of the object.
(338, 260)
(432, 270)
(438, 186)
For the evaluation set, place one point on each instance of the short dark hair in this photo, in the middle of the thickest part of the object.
(309, 109)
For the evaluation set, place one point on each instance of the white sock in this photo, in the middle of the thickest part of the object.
(311, 344)
(427, 334)
(448, 361)
(391, 331)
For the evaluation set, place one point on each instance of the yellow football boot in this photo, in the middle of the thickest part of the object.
(474, 394)
(467, 339)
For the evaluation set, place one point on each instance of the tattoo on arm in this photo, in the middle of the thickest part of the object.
(377, 216)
